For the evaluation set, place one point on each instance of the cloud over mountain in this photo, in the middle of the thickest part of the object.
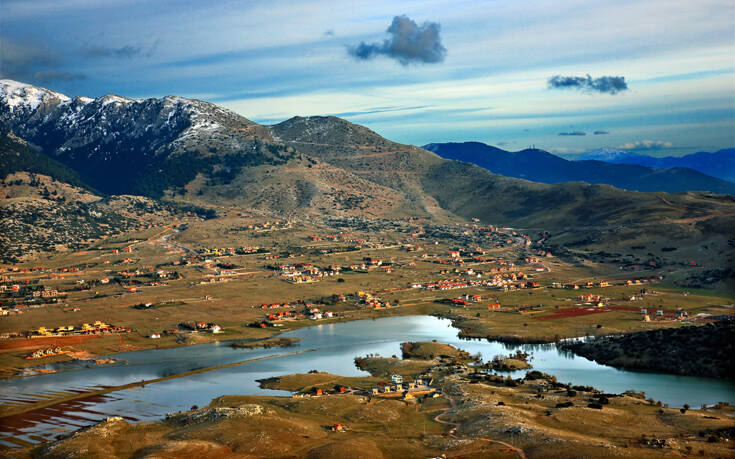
(601, 132)
(604, 84)
(409, 43)
(645, 145)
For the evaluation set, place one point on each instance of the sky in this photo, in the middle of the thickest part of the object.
(568, 76)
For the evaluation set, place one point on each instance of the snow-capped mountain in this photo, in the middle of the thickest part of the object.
(61, 125)
(123, 136)
(22, 97)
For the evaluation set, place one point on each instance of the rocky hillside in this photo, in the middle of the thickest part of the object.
(40, 214)
(44, 206)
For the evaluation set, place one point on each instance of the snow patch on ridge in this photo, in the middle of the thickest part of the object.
(19, 95)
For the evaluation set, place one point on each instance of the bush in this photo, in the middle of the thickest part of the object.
(596, 406)
(583, 388)
(564, 405)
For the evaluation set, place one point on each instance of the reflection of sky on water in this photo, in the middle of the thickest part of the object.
(336, 346)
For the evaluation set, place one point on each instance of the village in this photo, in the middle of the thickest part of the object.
(323, 270)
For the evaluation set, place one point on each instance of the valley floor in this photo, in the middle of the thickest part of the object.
(250, 277)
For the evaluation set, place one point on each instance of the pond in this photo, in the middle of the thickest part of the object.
(334, 348)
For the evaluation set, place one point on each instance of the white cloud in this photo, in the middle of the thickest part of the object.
(645, 145)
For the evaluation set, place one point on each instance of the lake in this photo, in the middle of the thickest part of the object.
(335, 346)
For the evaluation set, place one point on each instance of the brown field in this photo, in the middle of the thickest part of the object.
(33, 343)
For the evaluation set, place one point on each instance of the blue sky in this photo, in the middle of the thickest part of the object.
(270, 60)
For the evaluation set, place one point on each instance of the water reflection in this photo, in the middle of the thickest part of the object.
(335, 347)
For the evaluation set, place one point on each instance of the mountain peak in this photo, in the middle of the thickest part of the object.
(324, 130)
(24, 96)
(115, 99)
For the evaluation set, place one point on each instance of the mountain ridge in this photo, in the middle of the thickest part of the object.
(192, 151)
(541, 166)
(719, 164)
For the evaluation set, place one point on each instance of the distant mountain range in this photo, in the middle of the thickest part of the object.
(190, 152)
(542, 166)
(720, 164)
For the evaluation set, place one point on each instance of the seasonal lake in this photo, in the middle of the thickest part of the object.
(334, 348)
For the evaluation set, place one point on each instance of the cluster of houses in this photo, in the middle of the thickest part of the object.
(502, 281)
(370, 301)
(645, 280)
(444, 284)
(126, 249)
(463, 300)
(268, 226)
(96, 328)
(16, 269)
(399, 389)
(190, 327)
(47, 293)
(576, 286)
(198, 327)
(228, 251)
(283, 304)
(396, 388)
(42, 269)
(341, 237)
(16, 289)
(317, 314)
(660, 314)
(368, 264)
(300, 273)
(41, 353)
(596, 300)
(273, 319)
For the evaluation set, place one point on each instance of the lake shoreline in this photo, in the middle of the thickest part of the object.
(335, 346)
